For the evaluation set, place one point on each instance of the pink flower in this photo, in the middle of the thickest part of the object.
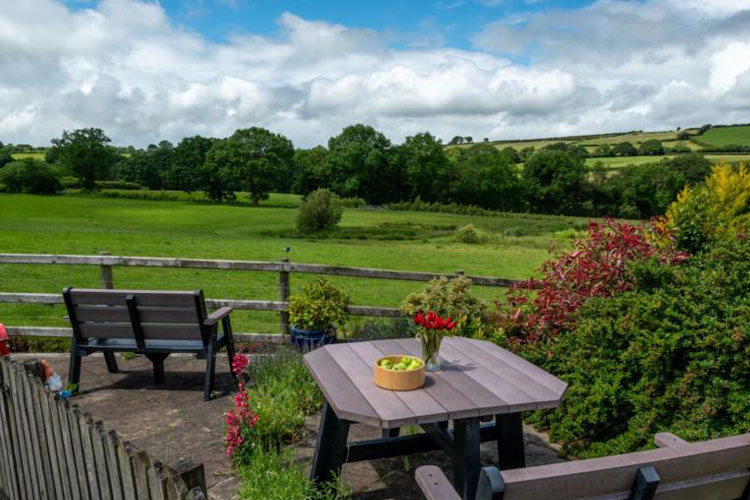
(239, 363)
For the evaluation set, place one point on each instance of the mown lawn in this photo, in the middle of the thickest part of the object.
(516, 245)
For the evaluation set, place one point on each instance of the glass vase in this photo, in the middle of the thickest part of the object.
(430, 347)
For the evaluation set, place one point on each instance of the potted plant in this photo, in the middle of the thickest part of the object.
(315, 313)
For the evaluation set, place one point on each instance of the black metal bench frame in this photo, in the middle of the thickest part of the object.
(156, 351)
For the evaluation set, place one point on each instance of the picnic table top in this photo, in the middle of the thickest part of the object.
(477, 378)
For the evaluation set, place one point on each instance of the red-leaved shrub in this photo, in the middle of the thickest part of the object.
(598, 266)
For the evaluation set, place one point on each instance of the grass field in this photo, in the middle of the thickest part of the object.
(724, 136)
(21, 156)
(622, 161)
(517, 244)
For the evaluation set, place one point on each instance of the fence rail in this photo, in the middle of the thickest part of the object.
(284, 268)
(50, 450)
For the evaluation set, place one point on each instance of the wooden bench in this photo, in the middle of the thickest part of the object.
(715, 470)
(153, 323)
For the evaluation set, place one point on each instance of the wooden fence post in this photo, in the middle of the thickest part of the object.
(284, 295)
(105, 273)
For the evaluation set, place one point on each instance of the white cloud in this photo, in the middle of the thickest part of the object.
(124, 66)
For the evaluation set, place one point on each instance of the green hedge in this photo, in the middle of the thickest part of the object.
(672, 355)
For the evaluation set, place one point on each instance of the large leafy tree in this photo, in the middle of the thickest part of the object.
(624, 149)
(555, 181)
(187, 159)
(428, 170)
(486, 177)
(310, 170)
(251, 159)
(358, 159)
(86, 154)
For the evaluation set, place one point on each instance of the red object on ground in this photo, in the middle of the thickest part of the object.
(4, 341)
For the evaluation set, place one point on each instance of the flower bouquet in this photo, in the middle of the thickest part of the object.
(431, 328)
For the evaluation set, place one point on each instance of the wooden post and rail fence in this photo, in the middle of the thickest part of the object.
(284, 268)
(50, 450)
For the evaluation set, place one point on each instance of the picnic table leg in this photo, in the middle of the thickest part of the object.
(330, 450)
(390, 433)
(510, 448)
(466, 461)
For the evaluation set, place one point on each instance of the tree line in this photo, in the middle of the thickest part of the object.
(360, 162)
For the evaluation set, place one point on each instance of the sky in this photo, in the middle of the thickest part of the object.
(150, 70)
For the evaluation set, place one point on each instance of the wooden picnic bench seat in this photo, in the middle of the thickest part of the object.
(709, 470)
(153, 323)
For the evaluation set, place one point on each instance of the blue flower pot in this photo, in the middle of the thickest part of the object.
(308, 340)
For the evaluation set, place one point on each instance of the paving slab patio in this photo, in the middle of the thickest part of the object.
(172, 422)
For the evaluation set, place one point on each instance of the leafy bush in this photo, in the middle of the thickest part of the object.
(29, 176)
(598, 266)
(468, 234)
(276, 475)
(716, 209)
(320, 306)
(673, 354)
(451, 297)
(321, 210)
(275, 395)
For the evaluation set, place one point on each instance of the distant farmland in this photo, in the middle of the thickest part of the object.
(725, 136)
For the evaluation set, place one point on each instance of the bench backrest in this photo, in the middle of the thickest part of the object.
(716, 470)
(136, 314)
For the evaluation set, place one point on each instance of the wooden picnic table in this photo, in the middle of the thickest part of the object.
(478, 381)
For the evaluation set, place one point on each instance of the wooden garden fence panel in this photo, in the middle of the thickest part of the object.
(284, 268)
(50, 450)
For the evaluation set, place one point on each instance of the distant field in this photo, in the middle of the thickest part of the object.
(516, 246)
(635, 138)
(621, 161)
(21, 156)
(280, 200)
(724, 136)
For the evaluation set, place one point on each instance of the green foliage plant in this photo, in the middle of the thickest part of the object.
(673, 355)
(320, 306)
(469, 234)
(321, 210)
(29, 176)
(451, 297)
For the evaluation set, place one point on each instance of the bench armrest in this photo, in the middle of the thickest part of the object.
(217, 316)
(669, 440)
(434, 484)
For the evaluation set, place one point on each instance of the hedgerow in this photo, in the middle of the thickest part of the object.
(671, 355)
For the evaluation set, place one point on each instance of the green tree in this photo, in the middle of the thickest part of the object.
(555, 182)
(428, 170)
(86, 154)
(512, 154)
(186, 161)
(651, 147)
(526, 153)
(603, 151)
(683, 136)
(5, 156)
(216, 178)
(310, 170)
(624, 149)
(487, 178)
(358, 159)
(29, 176)
(250, 160)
